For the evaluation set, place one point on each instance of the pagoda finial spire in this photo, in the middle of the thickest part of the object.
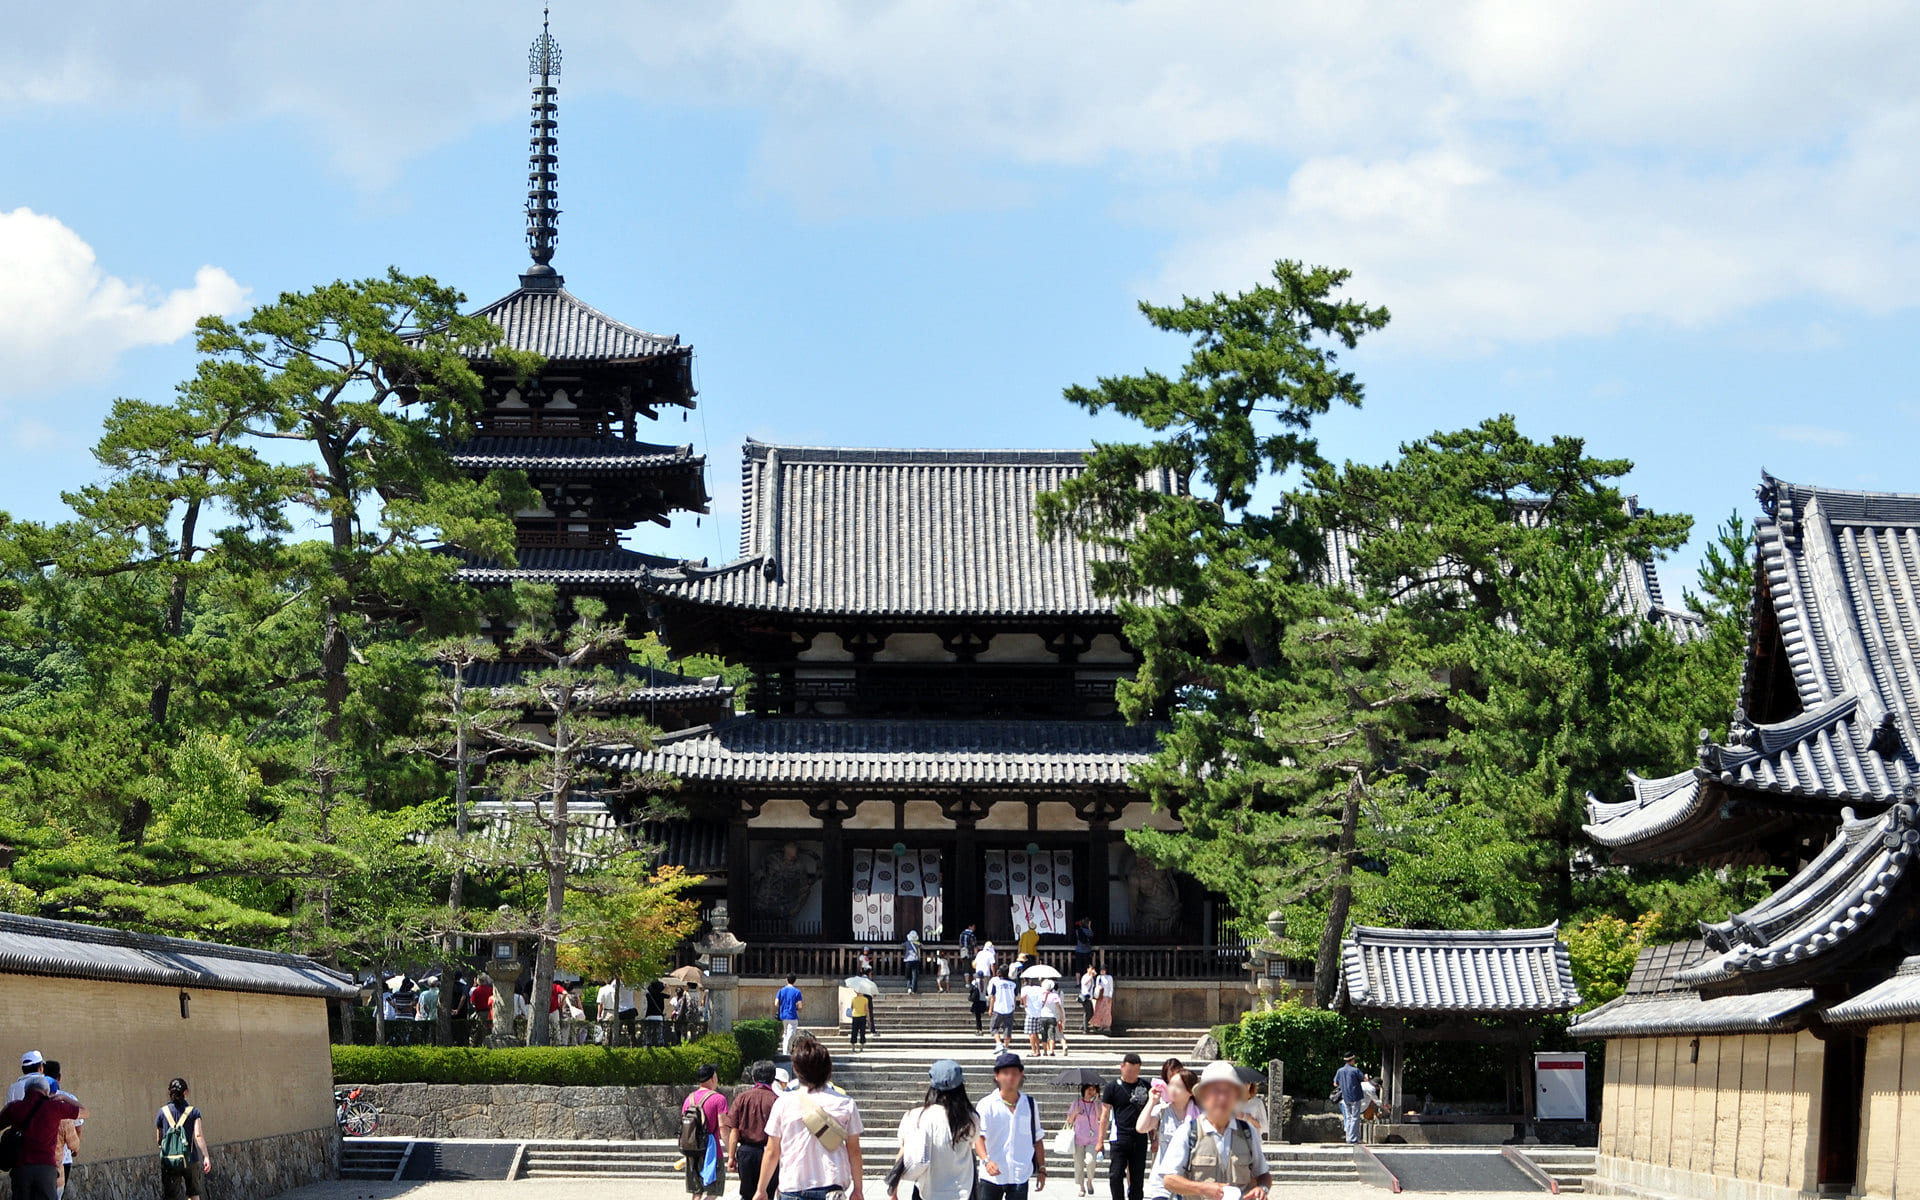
(543, 157)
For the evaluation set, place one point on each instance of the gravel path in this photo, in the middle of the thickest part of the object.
(666, 1189)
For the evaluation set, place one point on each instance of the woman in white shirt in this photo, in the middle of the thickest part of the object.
(1170, 1107)
(813, 1133)
(936, 1140)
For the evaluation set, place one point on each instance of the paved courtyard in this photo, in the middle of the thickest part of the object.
(650, 1189)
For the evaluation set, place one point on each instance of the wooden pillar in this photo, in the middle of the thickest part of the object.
(964, 900)
(1099, 866)
(739, 881)
(836, 876)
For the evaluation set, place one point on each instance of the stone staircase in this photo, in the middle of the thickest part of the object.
(1570, 1167)
(599, 1160)
(1307, 1165)
(372, 1158)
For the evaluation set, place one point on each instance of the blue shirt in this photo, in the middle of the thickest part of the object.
(788, 998)
(1347, 1079)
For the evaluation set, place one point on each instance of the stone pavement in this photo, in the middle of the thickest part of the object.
(663, 1189)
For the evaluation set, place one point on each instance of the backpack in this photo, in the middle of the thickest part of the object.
(693, 1125)
(173, 1141)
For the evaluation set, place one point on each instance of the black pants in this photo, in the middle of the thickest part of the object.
(987, 1189)
(176, 1182)
(35, 1183)
(1127, 1167)
(913, 976)
(1086, 1014)
(747, 1158)
(1082, 959)
(858, 1034)
(979, 1013)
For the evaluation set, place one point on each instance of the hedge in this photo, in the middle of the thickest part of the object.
(561, 1066)
(758, 1038)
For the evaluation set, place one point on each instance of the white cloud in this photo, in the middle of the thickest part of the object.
(63, 319)
(1497, 170)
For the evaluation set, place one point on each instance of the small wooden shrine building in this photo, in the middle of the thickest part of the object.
(1486, 987)
(1779, 1055)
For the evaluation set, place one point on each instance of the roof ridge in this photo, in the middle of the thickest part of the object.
(915, 456)
(103, 935)
(672, 339)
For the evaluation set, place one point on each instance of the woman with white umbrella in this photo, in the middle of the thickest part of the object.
(860, 1010)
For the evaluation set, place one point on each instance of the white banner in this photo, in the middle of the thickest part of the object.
(1063, 874)
(996, 864)
(909, 867)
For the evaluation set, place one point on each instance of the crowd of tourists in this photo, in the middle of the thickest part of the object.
(615, 1014)
(797, 1136)
(42, 1126)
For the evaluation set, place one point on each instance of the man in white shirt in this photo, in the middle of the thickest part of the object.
(32, 1064)
(1216, 1155)
(1034, 998)
(1011, 1144)
(985, 961)
(1003, 996)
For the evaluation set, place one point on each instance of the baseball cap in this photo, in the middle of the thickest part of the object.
(945, 1075)
(31, 1058)
(1007, 1060)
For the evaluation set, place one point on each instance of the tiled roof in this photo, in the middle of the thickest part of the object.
(1841, 575)
(1656, 967)
(573, 454)
(898, 533)
(556, 323)
(1894, 999)
(649, 686)
(1495, 971)
(63, 950)
(807, 751)
(1850, 899)
(565, 565)
(1689, 815)
(1686, 1013)
(699, 847)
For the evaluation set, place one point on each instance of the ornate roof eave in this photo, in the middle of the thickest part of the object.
(1493, 972)
(1854, 897)
(1690, 817)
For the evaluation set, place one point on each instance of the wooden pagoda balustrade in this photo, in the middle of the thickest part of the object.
(838, 960)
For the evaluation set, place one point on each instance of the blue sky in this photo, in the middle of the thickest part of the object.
(1689, 238)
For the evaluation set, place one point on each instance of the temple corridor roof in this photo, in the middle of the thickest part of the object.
(567, 566)
(1498, 972)
(573, 454)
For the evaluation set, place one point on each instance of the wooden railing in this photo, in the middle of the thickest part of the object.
(840, 959)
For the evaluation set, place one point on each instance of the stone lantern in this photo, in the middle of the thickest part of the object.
(722, 952)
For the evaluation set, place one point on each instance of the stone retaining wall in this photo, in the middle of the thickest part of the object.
(255, 1169)
(514, 1111)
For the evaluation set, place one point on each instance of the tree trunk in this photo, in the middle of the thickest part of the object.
(457, 886)
(1326, 968)
(539, 1032)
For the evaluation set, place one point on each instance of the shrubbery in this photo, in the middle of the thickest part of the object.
(758, 1038)
(562, 1066)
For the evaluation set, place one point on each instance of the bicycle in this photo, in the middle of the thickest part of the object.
(357, 1117)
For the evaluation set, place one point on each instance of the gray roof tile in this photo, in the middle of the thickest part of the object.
(1894, 999)
(556, 323)
(897, 533)
(805, 751)
(649, 686)
(579, 454)
(564, 565)
(1830, 912)
(1686, 1013)
(1495, 971)
(64, 950)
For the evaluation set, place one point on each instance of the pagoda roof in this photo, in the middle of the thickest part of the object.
(1689, 816)
(1498, 972)
(898, 533)
(573, 455)
(1850, 900)
(805, 752)
(553, 322)
(565, 565)
(1894, 999)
